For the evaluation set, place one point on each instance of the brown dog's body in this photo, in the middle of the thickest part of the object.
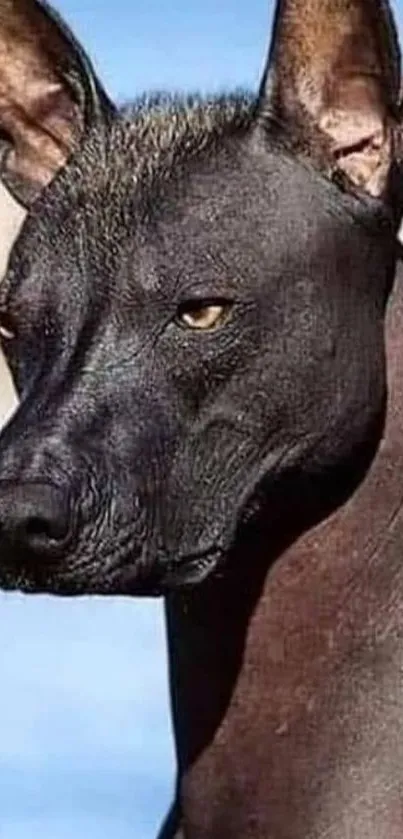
(289, 688)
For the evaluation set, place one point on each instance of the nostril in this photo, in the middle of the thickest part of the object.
(36, 527)
(35, 516)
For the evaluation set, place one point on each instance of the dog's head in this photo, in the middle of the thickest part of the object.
(196, 299)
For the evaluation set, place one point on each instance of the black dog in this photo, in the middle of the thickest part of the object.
(196, 300)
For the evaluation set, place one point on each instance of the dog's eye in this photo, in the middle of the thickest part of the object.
(203, 314)
(6, 329)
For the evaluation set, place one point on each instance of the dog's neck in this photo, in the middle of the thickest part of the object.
(287, 685)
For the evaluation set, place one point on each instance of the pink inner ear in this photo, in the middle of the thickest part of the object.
(50, 100)
(37, 109)
(335, 72)
(353, 110)
(43, 129)
(361, 135)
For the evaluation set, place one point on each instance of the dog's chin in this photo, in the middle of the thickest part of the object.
(31, 584)
(132, 579)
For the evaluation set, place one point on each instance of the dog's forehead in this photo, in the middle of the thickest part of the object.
(151, 140)
(162, 132)
(104, 199)
(115, 214)
(127, 169)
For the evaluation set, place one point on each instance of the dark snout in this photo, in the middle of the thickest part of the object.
(34, 520)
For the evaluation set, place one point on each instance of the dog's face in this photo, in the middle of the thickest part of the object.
(197, 312)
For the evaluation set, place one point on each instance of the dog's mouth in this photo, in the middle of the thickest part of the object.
(165, 576)
(139, 576)
(191, 571)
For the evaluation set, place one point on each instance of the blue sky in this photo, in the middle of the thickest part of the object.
(85, 738)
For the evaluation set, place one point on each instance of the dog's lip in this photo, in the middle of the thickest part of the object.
(193, 569)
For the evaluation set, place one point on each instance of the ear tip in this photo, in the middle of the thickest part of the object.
(333, 73)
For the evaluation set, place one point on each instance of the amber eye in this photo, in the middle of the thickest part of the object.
(203, 315)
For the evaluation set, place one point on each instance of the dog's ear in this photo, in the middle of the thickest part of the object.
(49, 95)
(332, 82)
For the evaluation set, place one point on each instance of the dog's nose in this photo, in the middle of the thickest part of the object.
(34, 516)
